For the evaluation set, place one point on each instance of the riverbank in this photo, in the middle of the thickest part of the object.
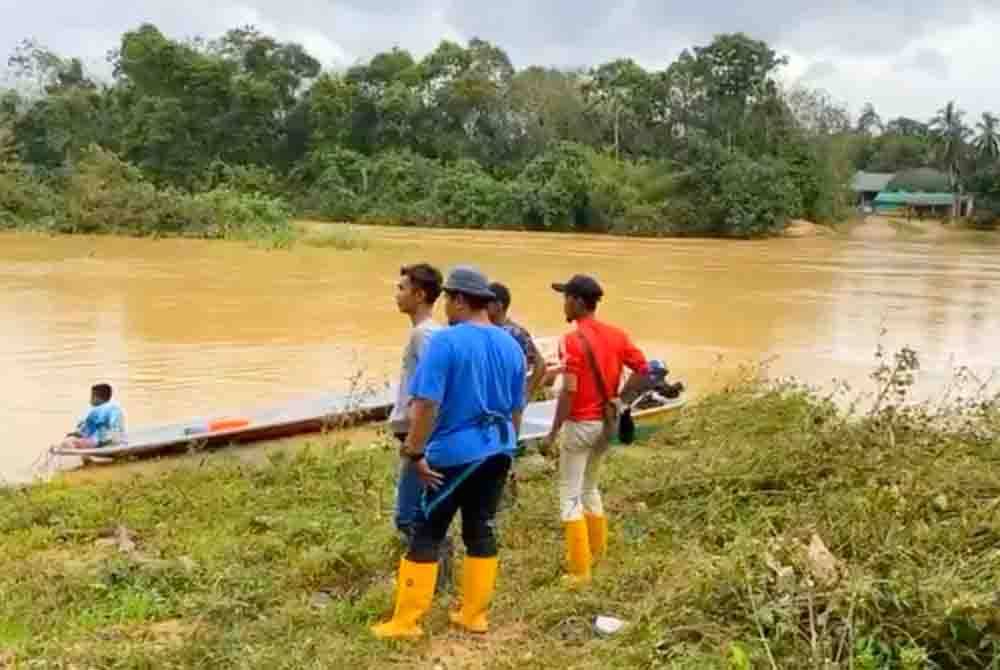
(344, 236)
(102, 193)
(759, 528)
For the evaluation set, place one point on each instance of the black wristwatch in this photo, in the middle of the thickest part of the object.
(416, 458)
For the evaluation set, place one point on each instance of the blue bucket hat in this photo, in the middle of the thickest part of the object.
(468, 280)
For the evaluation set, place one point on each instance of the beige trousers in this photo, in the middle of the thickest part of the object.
(581, 451)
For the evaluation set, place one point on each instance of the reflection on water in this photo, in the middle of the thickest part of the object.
(185, 327)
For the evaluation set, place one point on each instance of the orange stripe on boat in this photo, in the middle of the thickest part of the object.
(227, 424)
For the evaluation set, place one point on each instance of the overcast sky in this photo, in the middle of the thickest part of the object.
(908, 57)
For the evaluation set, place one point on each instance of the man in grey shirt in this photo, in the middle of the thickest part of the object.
(416, 292)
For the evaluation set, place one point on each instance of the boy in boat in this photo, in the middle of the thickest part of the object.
(593, 356)
(103, 425)
(466, 413)
(498, 311)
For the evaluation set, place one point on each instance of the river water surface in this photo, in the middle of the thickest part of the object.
(185, 327)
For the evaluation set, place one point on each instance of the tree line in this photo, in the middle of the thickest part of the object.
(709, 145)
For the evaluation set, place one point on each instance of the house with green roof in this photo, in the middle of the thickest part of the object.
(920, 191)
(905, 202)
(923, 192)
(867, 186)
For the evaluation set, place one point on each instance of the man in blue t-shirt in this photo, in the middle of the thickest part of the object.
(467, 395)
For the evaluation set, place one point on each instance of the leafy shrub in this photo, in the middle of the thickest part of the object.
(756, 198)
(332, 184)
(553, 192)
(643, 220)
(106, 194)
(728, 193)
(244, 179)
(465, 196)
(25, 200)
(231, 215)
(399, 184)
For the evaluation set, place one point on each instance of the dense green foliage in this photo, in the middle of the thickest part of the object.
(457, 138)
(709, 145)
(103, 194)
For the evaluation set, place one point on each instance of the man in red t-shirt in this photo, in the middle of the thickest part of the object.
(579, 417)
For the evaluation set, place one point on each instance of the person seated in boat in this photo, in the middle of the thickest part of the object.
(498, 311)
(102, 426)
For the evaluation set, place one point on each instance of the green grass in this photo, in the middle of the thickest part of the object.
(342, 237)
(709, 523)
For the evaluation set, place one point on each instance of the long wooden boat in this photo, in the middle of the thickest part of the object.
(538, 416)
(316, 414)
(311, 415)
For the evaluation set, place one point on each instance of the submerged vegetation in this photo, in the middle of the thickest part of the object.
(766, 526)
(338, 236)
(103, 194)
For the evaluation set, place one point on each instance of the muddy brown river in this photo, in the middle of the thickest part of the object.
(183, 327)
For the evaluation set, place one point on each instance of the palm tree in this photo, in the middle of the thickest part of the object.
(988, 142)
(949, 133)
(869, 120)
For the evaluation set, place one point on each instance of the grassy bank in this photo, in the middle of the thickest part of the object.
(762, 528)
(102, 194)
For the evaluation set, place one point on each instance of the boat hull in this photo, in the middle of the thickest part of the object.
(314, 415)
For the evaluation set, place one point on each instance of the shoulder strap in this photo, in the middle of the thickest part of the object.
(594, 369)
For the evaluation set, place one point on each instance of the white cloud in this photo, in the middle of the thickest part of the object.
(908, 57)
(952, 63)
(927, 61)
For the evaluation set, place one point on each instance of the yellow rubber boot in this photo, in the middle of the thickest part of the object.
(414, 593)
(577, 552)
(479, 578)
(597, 533)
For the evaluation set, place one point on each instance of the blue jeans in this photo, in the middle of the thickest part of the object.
(409, 490)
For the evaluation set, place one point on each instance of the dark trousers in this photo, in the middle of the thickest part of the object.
(475, 491)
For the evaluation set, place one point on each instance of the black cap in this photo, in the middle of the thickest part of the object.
(501, 294)
(581, 286)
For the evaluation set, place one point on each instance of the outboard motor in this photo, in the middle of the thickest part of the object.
(659, 390)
